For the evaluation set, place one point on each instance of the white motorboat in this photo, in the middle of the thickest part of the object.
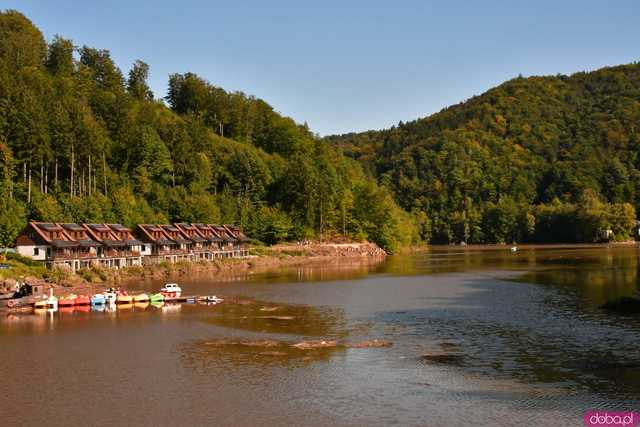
(172, 290)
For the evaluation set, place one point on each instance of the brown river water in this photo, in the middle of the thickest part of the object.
(527, 340)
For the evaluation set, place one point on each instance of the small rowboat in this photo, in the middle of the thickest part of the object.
(98, 299)
(83, 300)
(156, 297)
(141, 298)
(67, 301)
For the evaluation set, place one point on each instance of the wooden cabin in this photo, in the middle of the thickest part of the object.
(57, 245)
(241, 246)
(87, 248)
(200, 247)
(118, 248)
(184, 245)
(228, 241)
(125, 234)
(162, 247)
(214, 241)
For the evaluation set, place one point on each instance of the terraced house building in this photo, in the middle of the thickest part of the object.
(81, 246)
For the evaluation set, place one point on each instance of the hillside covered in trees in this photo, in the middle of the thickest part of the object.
(82, 141)
(539, 159)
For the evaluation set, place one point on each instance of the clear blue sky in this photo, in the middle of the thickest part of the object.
(350, 65)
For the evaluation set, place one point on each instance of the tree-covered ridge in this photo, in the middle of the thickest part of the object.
(81, 141)
(540, 159)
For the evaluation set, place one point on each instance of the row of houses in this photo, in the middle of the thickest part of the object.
(79, 246)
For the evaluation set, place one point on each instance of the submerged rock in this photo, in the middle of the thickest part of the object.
(624, 305)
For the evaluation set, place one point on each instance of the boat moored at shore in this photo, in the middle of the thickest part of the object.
(172, 290)
(157, 297)
(98, 299)
(83, 300)
(141, 298)
(124, 298)
(67, 300)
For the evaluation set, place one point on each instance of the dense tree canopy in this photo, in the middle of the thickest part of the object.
(80, 142)
(544, 159)
(518, 162)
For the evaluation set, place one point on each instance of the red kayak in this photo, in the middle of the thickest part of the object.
(67, 301)
(82, 300)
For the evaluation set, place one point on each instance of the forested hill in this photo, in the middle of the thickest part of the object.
(82, 141)
(545, 159)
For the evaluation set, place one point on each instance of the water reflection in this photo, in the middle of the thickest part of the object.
(446, 259)
(337, 269)
(546, 327)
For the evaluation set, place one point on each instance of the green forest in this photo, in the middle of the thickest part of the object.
(83, 141)
(539, 159)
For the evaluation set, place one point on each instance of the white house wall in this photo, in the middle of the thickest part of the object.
(28, 251)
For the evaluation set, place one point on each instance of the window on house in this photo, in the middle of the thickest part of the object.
(36, 251)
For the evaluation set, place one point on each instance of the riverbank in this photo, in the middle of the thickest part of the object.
(261, 259)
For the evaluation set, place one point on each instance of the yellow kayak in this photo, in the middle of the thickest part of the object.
(124, 299)
(141, 298)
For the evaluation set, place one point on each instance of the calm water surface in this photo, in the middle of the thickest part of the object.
(531, 347)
